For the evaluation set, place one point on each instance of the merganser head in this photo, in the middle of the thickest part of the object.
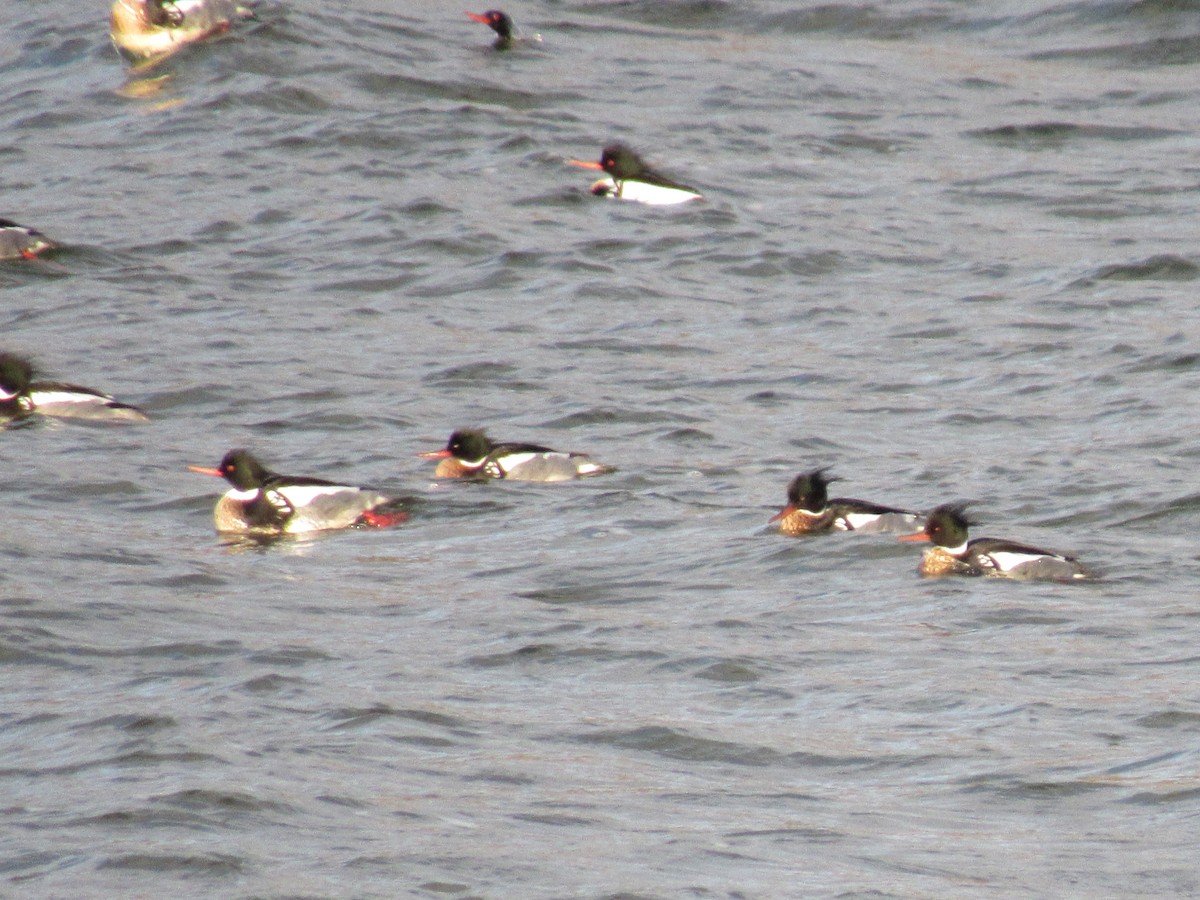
(808, 490)
(620, 162)
(617, 160)
(239, 468)
(15, 374)
(946, 526)
(807, 493)
(499, 22)
(467, 444)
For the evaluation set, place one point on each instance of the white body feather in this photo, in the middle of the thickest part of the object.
(643, 192)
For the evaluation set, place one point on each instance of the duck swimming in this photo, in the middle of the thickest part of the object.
(499, 22)
(809, 510)
(146, 30)
(21, 396)
(470, 453)
(952, 554)
(21, 242)
(630, 178)
(263, 502)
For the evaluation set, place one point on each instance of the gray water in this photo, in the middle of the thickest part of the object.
(948, 249)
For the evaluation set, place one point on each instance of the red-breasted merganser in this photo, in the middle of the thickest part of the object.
(20, 242)
(952, 554)
(146, 30)
(809, 510)
(499, 22)
(21, 396)
(264, 502)
(629, 178)
(471, 454)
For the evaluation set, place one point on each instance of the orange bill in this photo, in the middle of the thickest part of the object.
(782, 514)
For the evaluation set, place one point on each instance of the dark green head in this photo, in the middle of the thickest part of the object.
(469, 444)
(808, 490)
(15, 374)
(243, 471)
(499, 22)
(620, 162)
(948, 525)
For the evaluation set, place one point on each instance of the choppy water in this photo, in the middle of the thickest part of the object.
(949, 249)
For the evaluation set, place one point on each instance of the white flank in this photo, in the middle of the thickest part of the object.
(5, 395)
(512, 460)
(83, 405)
(1006, 562)
(301, 495)
(653, 194)
(858, 521)
(49, 398)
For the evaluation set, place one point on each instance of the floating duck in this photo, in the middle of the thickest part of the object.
(21, 396)
(952, 554)
(147, 30)
(264, 502)
(630, 178)
(470, 453)
(809, 510)
(20, 242)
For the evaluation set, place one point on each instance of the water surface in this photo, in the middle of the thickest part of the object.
(948, 250)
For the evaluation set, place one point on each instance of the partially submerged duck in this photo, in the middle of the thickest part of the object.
(146, 30)
(630, 178)
(952, 554)
(470, 453)
(499, 22)
(21, 396)
(21, 242)
(263, 502)
(809, 510)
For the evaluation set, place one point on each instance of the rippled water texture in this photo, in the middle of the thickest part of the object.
(948, 249)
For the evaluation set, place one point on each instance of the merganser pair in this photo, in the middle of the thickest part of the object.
(630, 178)
(809, 510)
(470, 453)
(147, 30)
(21, 396)
(20, 242)
(952, 554)
(263, 502)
